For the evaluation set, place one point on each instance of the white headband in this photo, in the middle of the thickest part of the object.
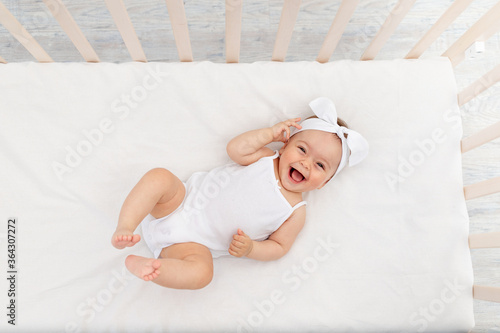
(355, 143)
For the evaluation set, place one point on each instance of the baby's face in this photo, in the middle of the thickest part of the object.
(308, 160)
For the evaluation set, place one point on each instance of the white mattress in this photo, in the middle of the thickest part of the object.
(384, 247)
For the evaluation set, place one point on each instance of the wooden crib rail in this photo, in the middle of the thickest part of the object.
(22, 35)
(486, 293)
(484, 136)
(68, 24)
(233, 30)
(287, 22)
(483, 188)
(391, 23)
(438, 28)
(480, 85)
(178, 20)
(337, 28)
(483, 27)
(480, 241)
(122, 20)
(484, 240)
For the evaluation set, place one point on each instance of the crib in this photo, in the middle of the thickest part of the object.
(83, 294)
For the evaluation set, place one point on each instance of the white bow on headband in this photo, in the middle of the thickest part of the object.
(354, 147)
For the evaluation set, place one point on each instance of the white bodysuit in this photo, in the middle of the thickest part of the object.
(219, 202)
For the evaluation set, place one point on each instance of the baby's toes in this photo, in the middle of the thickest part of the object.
(134, 239)
(150, 277)
(154, 275)
(156, 264)
(127, 240)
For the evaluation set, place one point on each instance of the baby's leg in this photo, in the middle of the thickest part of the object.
(159, 193)
(180, 266)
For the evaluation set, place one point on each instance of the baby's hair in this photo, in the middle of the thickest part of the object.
(340, 122)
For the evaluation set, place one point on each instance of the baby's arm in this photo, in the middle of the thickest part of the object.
(249, 147)
(278, 243)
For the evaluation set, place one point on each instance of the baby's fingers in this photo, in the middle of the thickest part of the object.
(289, 123)
(237, 244)
(287, 129)
(231, 251)
(284, 132)
(294, 122)
(234, 251)
(241, 236)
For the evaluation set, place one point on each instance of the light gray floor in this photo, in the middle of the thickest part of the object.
(260, 23)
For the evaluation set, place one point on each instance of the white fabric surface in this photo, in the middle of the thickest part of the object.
(384, 247)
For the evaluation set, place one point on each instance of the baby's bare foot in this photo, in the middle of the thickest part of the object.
(144, 268)
(124, 238)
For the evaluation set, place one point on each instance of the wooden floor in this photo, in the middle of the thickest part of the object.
(260, 23)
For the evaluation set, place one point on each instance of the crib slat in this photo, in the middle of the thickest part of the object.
(456, 52)
(178, 20)
(337, 28)
(483, 188)
(479, 85)
(484, 240)
(484, 136)
(486, 293)
(288, 18)
(127, 31)
(233, 30)
(68, 24)
(438, 28)
(387, 29)
(490, 31)
(22, 35)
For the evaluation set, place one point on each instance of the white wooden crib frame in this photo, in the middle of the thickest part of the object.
(484, 28)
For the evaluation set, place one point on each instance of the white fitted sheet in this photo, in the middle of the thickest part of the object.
(384, 247)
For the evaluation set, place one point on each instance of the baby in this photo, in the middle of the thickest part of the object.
(250, 208)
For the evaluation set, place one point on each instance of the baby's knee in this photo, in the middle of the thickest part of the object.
(158, 173)
(162, 177)
(204, 277)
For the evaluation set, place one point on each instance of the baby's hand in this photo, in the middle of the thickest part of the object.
(241, 245)
(282, 127)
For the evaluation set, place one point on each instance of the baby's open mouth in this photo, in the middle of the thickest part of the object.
(295, 175)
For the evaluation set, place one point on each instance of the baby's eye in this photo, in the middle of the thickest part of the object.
(321, 165)
(303, 150)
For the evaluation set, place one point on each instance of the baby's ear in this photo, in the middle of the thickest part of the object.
(283, 148)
